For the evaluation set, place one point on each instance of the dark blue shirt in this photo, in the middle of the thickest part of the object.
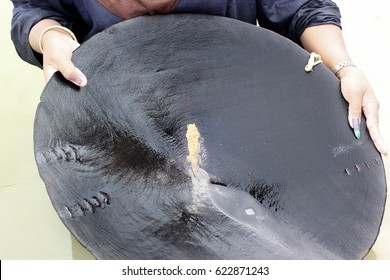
(88, 17)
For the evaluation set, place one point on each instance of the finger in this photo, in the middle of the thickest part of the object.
(354, 111)
(372, 120)
(72, 73)
(68, 70)
(378, 140)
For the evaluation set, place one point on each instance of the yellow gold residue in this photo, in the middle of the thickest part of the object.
(193, 137)
(199, 177)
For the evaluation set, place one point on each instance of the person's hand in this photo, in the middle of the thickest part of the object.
(360, 96)
(58, 48)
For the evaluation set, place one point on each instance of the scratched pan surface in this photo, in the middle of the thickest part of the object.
(201, 137)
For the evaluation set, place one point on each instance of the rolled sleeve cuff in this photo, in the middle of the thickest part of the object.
(316, 12)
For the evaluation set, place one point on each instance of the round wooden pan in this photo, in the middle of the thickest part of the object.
(202, 137)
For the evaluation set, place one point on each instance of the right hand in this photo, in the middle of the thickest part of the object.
(361, 98)
(58, 48)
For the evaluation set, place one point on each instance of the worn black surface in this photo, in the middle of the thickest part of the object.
(275, 143)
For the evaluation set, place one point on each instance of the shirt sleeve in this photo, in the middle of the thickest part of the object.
(25, 15)
(291, 18)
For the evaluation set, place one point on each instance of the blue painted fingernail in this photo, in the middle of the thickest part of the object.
(356, 127)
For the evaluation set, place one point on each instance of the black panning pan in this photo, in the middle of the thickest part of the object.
(202, 137)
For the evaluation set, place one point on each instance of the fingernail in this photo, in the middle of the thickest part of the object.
(79, 81)
(356, 127)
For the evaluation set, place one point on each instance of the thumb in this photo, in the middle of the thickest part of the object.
(68, 70)
(72, 73)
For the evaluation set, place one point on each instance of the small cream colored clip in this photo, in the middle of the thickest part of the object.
(314, 59)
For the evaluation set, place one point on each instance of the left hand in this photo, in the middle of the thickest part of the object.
(361, 98)
(57, 56)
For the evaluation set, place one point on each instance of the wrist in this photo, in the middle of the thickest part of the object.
(37, 30)
(54, 31)
(341, 65)
(346, 70)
